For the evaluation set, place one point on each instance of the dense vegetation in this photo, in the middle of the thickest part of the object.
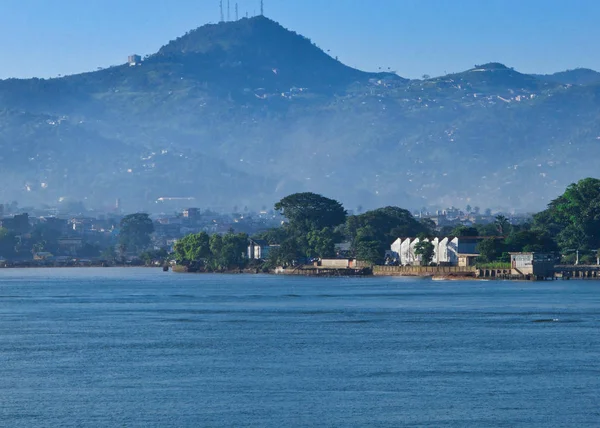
(212, 253)
(316, 223)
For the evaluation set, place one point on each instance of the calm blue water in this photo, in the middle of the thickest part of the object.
(139, 347)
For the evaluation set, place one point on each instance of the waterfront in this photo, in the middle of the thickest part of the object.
(139, 347)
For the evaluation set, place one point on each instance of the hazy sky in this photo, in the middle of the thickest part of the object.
(414, 37)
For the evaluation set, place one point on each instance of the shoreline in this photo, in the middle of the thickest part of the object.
(312, 273)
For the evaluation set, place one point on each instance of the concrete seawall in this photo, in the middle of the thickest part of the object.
(424, 271)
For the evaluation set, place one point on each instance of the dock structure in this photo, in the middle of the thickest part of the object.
(577, 272)
(523, 268)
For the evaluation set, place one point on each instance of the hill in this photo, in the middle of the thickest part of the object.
(578, 76)
(245, 112)
(255, 51)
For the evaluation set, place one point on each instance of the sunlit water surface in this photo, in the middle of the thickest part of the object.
(139, 347)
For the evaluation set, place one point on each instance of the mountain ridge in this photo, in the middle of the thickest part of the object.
(227, 113)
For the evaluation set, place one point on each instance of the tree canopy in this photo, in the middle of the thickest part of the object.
(312, 219)
(386, 224)
(372, 233)
(574, 217)
(307, 211)
(426, 251)
(135, 232)
(192, 248)
(462, 231)
(8, 241)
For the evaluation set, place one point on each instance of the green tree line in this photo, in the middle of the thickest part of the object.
(201, 251)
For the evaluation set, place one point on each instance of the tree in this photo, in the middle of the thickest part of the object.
(47, 235)
(369, 251)
(233, 251)
(463, 231)
(89, 250)
(574, 217)
(109, 254)
(530, 240)
(468, 209)
(308, 211)
(121, 253)
(227, 251)
(8, 241)
(489, 250)
(284, 255)
(273, 236)
(429, 226)
(19, 224)
(426, 250)
(135, 232)
(312, 220)
(384, 225)
(154, 255)
(321, 243)
(192, 248)
(502, 224)
(216, 247)
(488, 229)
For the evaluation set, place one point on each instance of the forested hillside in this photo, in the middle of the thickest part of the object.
(245, 112)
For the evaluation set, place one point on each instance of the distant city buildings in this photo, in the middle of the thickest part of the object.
(49, 236)
(191, 213)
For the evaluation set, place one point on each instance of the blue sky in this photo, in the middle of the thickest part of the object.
(45, 38)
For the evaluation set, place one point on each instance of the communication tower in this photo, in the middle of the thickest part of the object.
(221, 9)
(262, 7)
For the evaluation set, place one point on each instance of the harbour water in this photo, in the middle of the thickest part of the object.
(139, 347)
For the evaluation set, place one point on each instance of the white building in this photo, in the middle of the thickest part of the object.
(446, 249)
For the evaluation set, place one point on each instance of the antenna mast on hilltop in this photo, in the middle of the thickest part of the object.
(262, 7)
(228, 14)
(237, 13)
(221, 8)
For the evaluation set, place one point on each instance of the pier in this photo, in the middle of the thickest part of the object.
(577, 271)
